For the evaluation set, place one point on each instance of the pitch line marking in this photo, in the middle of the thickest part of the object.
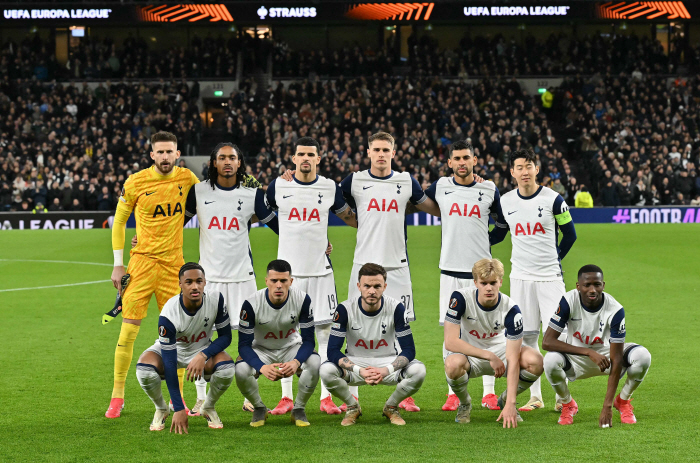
(56, 262)
(55, 286)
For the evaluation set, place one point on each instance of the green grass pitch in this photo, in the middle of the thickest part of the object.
(57, 362)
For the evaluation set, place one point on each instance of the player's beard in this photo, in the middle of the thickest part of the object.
(165, 169)
(304, 169)
(465, 175)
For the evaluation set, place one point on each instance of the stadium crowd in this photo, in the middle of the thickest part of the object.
(621, 139)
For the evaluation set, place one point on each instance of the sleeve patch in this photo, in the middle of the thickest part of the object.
(556, 317)
(163, 340)
(336, 326)
(452, 312)
(336, 317)
(243, 323)
(244, 315)
(518, 321)
(453, 303)
(162, 331)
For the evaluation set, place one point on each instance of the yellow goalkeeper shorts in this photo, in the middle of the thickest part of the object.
(148, 276)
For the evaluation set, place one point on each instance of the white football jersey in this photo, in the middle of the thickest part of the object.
(192, 330)
(370, 337)
(594, 329)
(302, 210)
(484, 327)
(464, 213)
(224, 218)
(275, 327)
(534, 233)
(381, 203)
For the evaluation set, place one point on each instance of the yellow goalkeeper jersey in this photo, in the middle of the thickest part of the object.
(158, 202)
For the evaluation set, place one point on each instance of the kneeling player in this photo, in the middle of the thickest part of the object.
(269, 342)
(491, 328)
(375, 321)
(185, 327)
(595, 346)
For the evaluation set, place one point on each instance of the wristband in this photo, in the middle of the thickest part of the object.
(390, 368)
(118, 257)
(356, 369)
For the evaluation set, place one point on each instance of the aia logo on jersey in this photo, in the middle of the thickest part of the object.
(160, 210)
(280, 334)
(463, 211)
(372, 344)
(587, 340)
(222, 225)
(193, 339)
(374, 205)
(529, 229)
(478, 335)
(453, 303)
(304, 216)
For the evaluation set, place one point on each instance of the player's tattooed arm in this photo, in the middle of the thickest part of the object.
(399, 363)
(348, 216)
(346, 364)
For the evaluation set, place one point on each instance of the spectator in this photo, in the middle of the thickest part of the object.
(583, 198)
(55, 206)
(39, 209)
(104, 200)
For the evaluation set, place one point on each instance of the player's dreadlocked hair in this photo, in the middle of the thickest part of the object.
(190, 266)
(213, 174)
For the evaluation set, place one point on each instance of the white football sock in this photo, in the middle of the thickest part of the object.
(220, 381)
(333, 377)
(459, 387)
(201, 385)
(287, 387)
(489, 385)
(530, 340)
(414, 375)
(308, 380)
(323, 334)
(554, 364)
(245, 380)
(150, 382)
(640, 361)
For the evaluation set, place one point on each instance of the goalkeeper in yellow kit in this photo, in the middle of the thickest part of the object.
(157, 197)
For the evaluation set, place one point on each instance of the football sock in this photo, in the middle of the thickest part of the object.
(220, 380)
(150, 382)
(449, 390)
(489, 385)
(554, 365)
(122, 357)
(323, 334)
(335, 383)
(287, 387)
(308, 380)
(201, 385)
(246, 382)
(526, 380)
(409, 385)
(640, 360)
(355, 391)
(530, 340)
(459, 387)
(181, 381)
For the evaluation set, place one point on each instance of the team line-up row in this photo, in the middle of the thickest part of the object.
(296, 207)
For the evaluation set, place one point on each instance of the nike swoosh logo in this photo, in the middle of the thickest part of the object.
(357, 328)
(512, 212)
(575, 319)
(149, 194)
(209, 202)
(119, 345)
(470, 318)
(449, 192)
(367, 187)
(288, 196)
(261, 323)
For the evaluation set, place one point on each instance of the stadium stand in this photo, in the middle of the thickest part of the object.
(624, 134)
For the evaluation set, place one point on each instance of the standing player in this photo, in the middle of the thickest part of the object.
(371, 324)
(157, 197)
(534, 215)
(269, 342)
(595, 345)
(484, 329)
(303, 204)
(380, 196)
(225, 208)
(185, 327)
(465, 208)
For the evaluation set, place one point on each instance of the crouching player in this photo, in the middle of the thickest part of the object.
(370, 324)
(185, 328)
(269, 342)
(483, 336)
(595, 346)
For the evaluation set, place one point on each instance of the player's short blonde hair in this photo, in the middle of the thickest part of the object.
(383, 136)
(488, 268)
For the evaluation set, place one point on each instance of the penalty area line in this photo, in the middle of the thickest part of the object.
(55, 286)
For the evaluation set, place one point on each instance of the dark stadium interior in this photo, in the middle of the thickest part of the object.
(76, 113)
